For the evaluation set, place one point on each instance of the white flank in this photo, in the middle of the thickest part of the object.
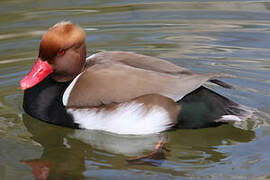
(229, 118)
(68, 90)
(128, 118)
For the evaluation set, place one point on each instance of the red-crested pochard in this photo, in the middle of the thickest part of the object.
(119, 92)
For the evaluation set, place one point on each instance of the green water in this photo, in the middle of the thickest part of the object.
(209, 36)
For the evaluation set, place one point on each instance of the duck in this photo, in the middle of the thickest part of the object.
(119, 92)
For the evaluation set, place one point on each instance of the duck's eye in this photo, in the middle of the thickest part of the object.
(61, 52)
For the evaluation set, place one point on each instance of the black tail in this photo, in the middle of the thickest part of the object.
(205, 108)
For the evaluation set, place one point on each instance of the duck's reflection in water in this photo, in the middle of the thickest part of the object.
(68, 153)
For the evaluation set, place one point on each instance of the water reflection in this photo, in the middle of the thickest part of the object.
(74, 154)
(208, 36)
(67, 150)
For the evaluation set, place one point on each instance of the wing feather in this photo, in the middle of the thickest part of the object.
(109, 79)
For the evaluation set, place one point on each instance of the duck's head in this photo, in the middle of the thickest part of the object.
(62, 54)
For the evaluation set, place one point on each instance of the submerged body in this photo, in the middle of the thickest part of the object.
(119, 92)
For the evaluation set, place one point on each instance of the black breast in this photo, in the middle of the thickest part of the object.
(44, 102)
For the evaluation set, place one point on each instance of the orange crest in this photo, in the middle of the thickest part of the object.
(61, 36)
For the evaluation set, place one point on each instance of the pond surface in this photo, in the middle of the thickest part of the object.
(208, 36)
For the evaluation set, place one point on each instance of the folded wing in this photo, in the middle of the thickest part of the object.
(111, 78)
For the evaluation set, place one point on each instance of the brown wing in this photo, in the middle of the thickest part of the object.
(135, 60)
(145, 62)
(111, 81)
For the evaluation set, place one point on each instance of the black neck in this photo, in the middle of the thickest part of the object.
(44, 102)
